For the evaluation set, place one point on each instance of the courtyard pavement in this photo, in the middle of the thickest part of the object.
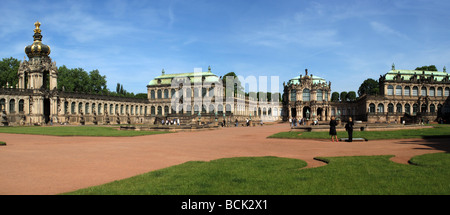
(47, 165)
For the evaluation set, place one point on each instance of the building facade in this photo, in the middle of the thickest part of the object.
(308, 98)
(36, 101)
(408, 96)
(201, 97)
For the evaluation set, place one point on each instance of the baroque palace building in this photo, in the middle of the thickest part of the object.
(197, 98)
(201, 98)
(405, 95)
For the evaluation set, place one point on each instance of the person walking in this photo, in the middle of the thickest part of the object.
(349, 129)
(333, 132)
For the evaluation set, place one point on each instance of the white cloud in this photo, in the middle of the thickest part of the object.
(386, 30)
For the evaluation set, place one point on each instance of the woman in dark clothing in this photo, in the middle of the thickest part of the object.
(333, 125)
(349, 129)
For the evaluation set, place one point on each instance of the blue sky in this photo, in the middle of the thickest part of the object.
(130, 42)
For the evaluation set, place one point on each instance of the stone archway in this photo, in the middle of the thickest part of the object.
(320, 114)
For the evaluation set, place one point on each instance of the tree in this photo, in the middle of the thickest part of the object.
(73, 80)
(343, 96)
(335, 97)
(237, 83)
(78, 80)
(369, 87)
(97, 83)
(427, 68)
(351, 96)
(8, 72)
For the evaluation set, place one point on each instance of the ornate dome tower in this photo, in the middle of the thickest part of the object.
(39, 72)
(37, 49)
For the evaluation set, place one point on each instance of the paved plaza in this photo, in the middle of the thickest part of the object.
(35, 164)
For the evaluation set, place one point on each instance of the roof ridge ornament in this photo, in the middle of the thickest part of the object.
(37, 30)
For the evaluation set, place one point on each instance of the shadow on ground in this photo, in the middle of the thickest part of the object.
(440, 142)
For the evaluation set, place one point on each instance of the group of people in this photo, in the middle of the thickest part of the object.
(348, 128)
(170, 122)
(294, 121)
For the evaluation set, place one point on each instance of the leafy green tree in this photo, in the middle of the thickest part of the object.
(97, 83)
(237, 83)
(73, 80)
(343, 96)
(8, 72)
(335, 97)
(427, 68)
(351, 96)
(369, 87)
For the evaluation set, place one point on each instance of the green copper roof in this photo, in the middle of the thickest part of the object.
(194, 77)
(407, 74)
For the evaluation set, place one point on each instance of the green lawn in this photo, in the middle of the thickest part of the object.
(75, 131)
(436, 131)
(369, 175)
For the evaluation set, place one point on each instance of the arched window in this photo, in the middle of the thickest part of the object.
(432, 108)
(423, 91)
(228, 108)
(372, 108)
(172, 93)
(159, 94)
(166, 110)
(407, 108)
(380, 108)
(415, 91)
(319, 95)
(152, 110)
(72, 108)
(152, 94)
(398, 90)
(399, 108)
(159, 110)
(99, 109)
(306, 95)
(121, 109)
(293, 95)
(196, 93)
(66, 107)
(220, 109)
(80, 108)
(407, 91)
(166, 93)
(2, 104)
(12, 106)
(439, 91)
(390, 90)
(447, 91)
(86, 108)
(21, 105)
(188, 93)
(423, 108)
(390, 108)
(432, 91)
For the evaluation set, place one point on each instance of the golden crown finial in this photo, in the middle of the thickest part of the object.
(37, 24)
